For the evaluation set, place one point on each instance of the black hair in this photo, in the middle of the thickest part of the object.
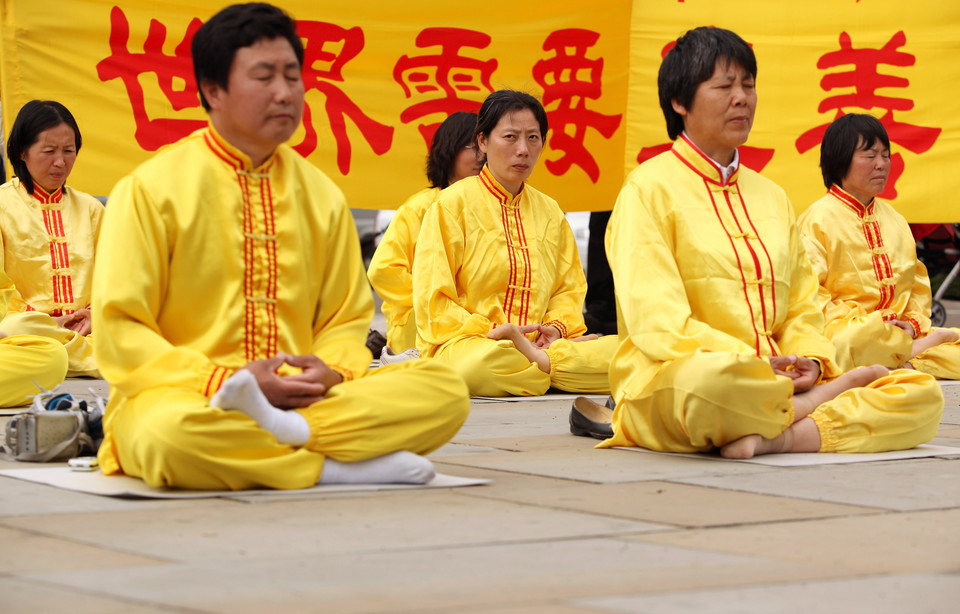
(845, 136)
(240, 25)
(691, 62)
(501, 102)
(455, 133)
(33, 118)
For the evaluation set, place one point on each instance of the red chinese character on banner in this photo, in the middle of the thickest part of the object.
(339, 106)
(754, 158)
(562, 82)
(866, 79)
(444, 76)
(151, 134)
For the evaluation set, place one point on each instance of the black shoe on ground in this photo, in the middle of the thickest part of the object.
(589, 419)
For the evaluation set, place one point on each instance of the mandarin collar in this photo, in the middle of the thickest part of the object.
(230, 154)
(851, 201)
(701, 163)
(493, 186)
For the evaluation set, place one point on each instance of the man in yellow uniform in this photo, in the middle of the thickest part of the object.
(26, 361)
(721, 338)
(874, 291)
(496, 260)
(232, 302)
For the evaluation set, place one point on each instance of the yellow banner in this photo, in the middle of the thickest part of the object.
(817, 60)
(380, 77)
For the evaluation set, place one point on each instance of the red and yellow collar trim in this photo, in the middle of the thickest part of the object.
(230, 154)
(700, 163)
(851, 201)
(45, 198)
(493, 186)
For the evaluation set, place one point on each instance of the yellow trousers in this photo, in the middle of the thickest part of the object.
(172, 437)
(708, 399)
(401, 333)
(941, 361)
(494, 368)
(874, 342)
(25, 359)
(79, 348)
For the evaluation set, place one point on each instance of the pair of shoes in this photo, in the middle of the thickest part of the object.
(389, 357)
(589, 419)
(56, 427)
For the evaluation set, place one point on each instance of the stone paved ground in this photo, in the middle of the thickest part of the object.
(562, 528)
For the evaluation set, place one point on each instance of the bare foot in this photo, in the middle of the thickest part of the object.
(755, 445)
(804, 403)
(514, 333)
(802, 436)
(936, 337)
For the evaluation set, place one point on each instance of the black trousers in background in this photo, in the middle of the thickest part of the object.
(600, 307)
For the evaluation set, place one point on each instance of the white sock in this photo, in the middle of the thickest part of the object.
(395, 468)
(242, 393)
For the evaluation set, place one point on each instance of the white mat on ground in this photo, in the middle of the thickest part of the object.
(801, 459)
(95, 483)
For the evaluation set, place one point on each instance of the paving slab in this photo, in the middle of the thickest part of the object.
(29, 549)
(672, 504)
(951, 414)
(490, 419)
(580, 461)
(42, 597)
(458, 449)
(340, 525)
(447, 580)
(913, 484)
(905, 543)
(550, 607)
(927, 593)
(946, 433)
(531, 443)
(22, 498)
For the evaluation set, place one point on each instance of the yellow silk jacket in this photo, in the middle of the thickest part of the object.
(391, 268)
(6, 291)
(704, 265)
(865, 258)
(207, 264)
(47, 244)
(485, 258)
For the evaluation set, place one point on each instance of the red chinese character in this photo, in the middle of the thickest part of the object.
(754, 158)
(866, 79)
(561, 77)
(338, 105)
(151, 134)
(443, 76)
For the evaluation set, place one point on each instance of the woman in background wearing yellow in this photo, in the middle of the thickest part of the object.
(48, 233)
(874, 292)
(453, 156)
(497, 281)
